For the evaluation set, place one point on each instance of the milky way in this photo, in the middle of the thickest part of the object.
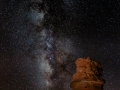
(40, 41)
(40, 57)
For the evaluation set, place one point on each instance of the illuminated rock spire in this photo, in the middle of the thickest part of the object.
(87, 76)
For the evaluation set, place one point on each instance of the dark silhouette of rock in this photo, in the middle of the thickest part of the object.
(88, 75)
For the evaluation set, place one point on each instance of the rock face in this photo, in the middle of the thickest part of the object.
(87, 76)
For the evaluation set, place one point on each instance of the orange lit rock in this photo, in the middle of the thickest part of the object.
(87, 76)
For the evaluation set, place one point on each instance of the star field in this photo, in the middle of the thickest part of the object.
(81, 28)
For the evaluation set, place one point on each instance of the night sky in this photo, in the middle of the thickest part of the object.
(40, 41)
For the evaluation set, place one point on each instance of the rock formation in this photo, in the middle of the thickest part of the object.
(87, 76)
